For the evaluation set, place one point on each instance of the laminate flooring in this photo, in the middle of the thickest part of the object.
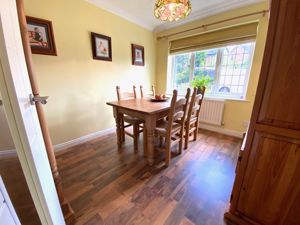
(105, 185)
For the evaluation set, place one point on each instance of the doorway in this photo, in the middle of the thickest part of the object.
(13, 176)
(22, 118)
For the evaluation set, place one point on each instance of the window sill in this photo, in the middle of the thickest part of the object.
(225, 99)
(214, 98)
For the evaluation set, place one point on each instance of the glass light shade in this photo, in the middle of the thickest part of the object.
(172, 9)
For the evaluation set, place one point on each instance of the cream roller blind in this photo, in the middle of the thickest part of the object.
(215, 38)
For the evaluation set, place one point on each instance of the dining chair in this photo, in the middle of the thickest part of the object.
(193, 114)
(171, 131)
(126, 95)
(129, 120)
(148, 93)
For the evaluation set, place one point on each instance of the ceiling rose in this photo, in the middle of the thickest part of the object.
(170, 10)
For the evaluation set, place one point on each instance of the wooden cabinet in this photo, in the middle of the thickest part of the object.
(267, 185)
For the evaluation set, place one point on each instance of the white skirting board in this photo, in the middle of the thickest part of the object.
(89, 137)
(66, 145)
(83, 139)
(8, 153)
(221, 130)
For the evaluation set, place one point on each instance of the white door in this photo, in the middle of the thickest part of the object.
(8, 214)
(22, 118)
(5, 216)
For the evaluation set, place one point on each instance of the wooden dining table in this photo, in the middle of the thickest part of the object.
(145, 109)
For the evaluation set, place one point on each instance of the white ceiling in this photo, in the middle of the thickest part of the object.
(141, 11)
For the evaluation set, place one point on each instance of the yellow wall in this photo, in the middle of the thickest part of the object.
(236, 112)
(79, 86)
(6, 142)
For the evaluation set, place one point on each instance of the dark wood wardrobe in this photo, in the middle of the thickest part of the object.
(267, 185)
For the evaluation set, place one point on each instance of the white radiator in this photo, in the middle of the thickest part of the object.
(212, 111)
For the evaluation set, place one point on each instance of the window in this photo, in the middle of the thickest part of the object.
(228, 68)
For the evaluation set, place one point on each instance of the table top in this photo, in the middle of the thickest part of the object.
(142, 105)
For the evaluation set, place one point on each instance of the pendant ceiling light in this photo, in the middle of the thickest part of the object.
(172, 9)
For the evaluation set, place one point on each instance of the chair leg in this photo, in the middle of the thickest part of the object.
(135, 137)
(168, 154)
(186, 137)
(196, 132)
(181, 141)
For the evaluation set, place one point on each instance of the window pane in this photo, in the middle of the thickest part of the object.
(182, 71)
(228, 68)
(235, 64)
(205, 64)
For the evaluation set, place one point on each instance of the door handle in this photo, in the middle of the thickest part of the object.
(40, 99)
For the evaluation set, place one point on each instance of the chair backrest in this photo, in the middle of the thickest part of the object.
(195, 104)
(198, 101)
(150, 93)
(178, 110)
(125, 95)
(192, 108)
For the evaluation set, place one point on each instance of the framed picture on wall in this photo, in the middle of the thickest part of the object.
(101, 46)
(138, 55)
(40, 34)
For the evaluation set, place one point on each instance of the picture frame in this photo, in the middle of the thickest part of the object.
(138, 55)
(101, 47)
(41, 37)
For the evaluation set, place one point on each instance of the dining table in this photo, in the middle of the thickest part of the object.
(142, 108)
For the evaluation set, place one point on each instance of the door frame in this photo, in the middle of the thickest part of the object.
(49, 212)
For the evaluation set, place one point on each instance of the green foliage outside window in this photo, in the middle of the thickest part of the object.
(201, 81)
(182, 69)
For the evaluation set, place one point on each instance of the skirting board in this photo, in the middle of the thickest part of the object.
(221, 130)
(83, 139)
(63, 146)
(8, 153)
(89, 137)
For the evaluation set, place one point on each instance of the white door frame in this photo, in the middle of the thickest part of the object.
(35, 164)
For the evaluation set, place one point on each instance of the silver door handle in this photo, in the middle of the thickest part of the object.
(35, 99)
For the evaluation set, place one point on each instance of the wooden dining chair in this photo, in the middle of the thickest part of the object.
(149, 93)
(129, 120)
(126, 95)
(193, 114)
(171, 131)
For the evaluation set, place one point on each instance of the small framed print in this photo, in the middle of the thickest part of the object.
(101, 46)
(40, 34)
(138, 55)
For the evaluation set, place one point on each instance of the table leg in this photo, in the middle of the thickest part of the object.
(145, 140)
(118, 120)
(150, 121)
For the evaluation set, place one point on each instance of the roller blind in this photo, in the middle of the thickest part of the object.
(213, 39)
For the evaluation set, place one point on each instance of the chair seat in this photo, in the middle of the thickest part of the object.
(161, 127)
(132, 120)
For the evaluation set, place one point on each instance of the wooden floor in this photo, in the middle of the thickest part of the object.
(14, 181)
(107, 186)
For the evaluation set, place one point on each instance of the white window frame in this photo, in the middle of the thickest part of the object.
(172, 80)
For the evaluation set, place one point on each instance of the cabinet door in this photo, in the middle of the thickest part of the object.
(281, 99)
(272, 182)
(267, 186)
